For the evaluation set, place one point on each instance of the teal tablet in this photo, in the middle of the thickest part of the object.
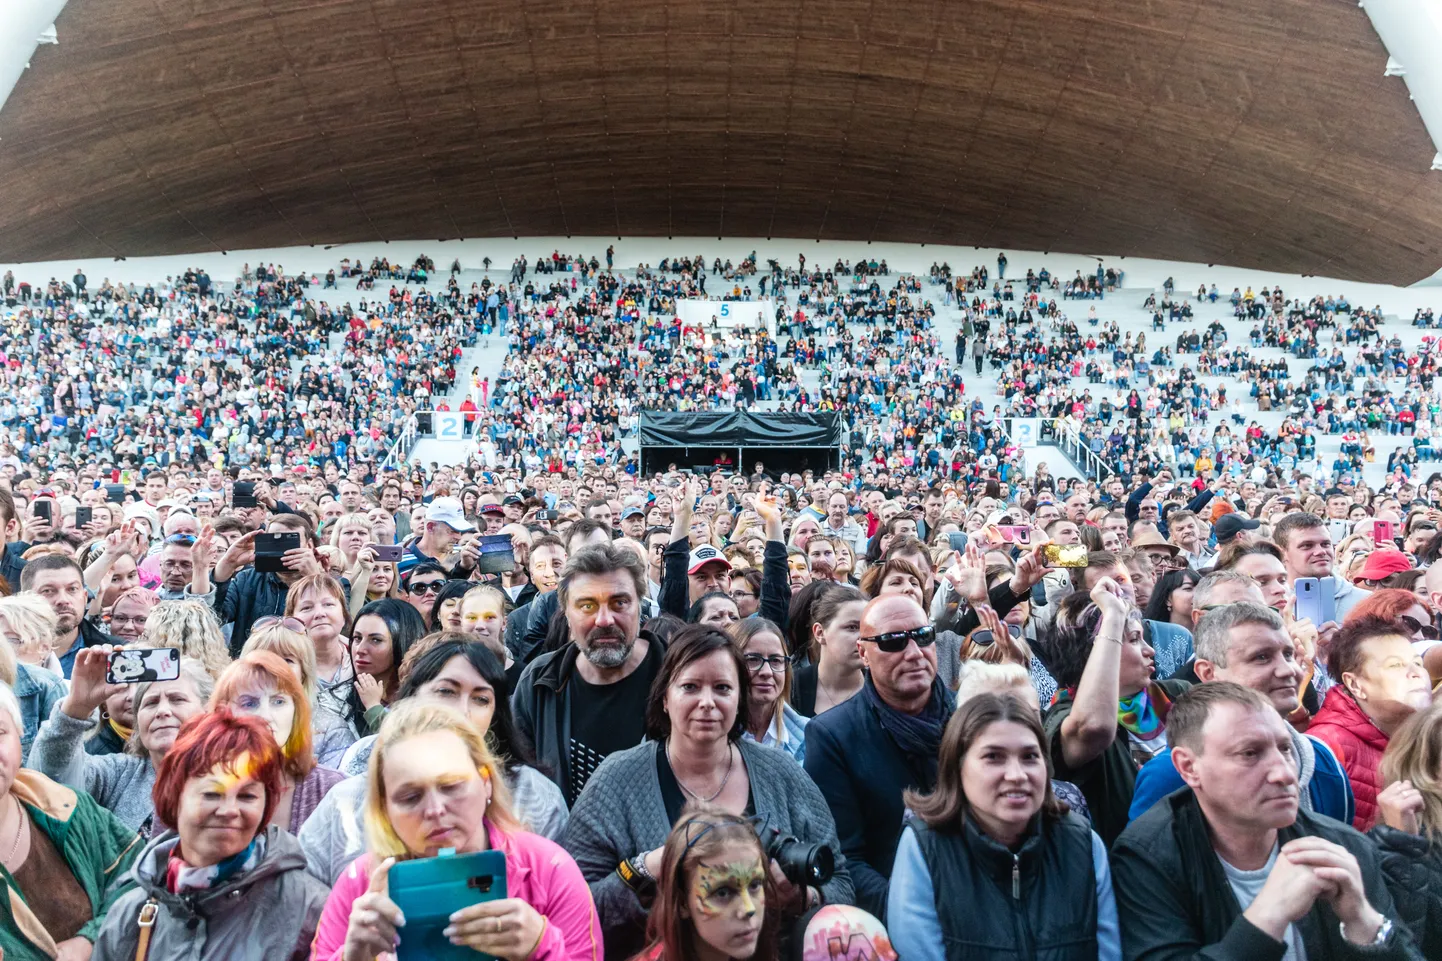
(429, 890)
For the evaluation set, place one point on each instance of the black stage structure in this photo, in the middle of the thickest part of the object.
(706, 440)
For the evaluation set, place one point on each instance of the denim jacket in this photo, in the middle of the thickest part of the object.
(38, 691)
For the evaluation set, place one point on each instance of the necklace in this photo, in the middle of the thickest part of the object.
(19, 827)
(730, 763)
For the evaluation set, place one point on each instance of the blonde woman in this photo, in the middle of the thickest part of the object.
(433, 784)
(190, 627)
(1410, 833)
(29, 624)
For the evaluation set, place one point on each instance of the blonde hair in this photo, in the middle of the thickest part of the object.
(355, 518)
(409, 719)
(981, 677)
(31, 619)
(1414, 754)
(192, 628)
(283, 642)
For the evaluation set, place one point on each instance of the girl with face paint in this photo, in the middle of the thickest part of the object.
(712, 892)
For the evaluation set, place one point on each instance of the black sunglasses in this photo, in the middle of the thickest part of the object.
(1426, 631)
(986, 638)
(429, 587)
(895, 642)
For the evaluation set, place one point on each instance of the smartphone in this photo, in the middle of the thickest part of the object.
(497, 556)
(1065, 555)
(269, 548)
(548, 515)
(1316, 599)
(1015, 535)
(243, 494)
(135, 665)
(115, 493)
(389, 553)
(429, 890)
(41, 508)
(84, 515)
(956, 540)
(1383, 532)
(1338, 530)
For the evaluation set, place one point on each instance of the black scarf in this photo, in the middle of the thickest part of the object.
(917, 736)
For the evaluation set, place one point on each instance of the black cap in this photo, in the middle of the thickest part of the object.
(1229, 525)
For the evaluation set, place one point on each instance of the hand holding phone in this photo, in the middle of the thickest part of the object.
(141, 664)
(1065, 555)
(387, 553)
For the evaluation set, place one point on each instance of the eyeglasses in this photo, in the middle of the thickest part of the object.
(741, 595)
(121, 620)
(429, 587)
(986, 638)
(289, 623)
(776, 663)
(896, 641)
(1426, 631)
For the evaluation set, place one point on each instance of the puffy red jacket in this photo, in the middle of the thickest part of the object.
(1358, 744)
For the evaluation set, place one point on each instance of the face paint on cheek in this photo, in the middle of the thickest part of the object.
(711, 882)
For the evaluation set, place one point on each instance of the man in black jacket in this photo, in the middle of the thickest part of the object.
(1230, 868)
(885, 739)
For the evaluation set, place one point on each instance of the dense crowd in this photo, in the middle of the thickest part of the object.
(540, 706)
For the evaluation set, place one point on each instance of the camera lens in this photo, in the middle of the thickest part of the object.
(801, 863)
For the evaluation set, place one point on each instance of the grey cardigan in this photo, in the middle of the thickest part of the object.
(118, 782)
(620, 814)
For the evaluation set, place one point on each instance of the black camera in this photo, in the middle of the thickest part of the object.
(803, 864)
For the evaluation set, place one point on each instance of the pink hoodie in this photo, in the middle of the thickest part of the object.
(538, 872)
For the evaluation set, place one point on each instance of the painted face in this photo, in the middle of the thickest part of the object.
(219, 813)
(727, 900)
(273, 706)
(434, 796)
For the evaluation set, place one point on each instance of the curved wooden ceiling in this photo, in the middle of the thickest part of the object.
(1257, 133)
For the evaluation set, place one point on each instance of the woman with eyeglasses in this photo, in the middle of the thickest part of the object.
(695, 751)
(746, 590)
(770, 719)
(126, 620)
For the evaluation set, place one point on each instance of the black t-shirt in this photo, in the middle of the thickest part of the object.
(606, 718)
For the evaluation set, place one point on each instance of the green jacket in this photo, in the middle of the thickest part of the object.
(96, 845)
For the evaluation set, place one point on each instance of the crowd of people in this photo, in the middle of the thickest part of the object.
(541, 706)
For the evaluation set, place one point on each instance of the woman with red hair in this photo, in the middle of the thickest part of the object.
(222, 878)
(1395, 604)
(264, 686)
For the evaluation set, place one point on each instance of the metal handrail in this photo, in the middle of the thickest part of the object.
(1065, 438)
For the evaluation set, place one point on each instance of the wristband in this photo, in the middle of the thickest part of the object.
(636, 880)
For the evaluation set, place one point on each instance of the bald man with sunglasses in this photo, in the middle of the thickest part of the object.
(866, 752)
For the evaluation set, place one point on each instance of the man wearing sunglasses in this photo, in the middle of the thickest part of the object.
(865, 753)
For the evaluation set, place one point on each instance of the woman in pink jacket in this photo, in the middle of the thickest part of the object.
(431, 788)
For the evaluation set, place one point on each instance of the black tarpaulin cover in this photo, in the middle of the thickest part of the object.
(739, 429)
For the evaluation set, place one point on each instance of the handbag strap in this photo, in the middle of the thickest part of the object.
(148, 911)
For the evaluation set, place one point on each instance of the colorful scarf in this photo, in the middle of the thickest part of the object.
(181, 877)
(1144, 713)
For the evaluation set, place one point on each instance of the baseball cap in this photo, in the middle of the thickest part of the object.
(448, 511)
(1229, 525)
(1382, 564)
(512, 500)
(492, 509)
(632, 511)
(706, 554)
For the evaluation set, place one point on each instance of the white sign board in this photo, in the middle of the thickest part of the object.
(727, 313)
(1026, 431)
(448, 424)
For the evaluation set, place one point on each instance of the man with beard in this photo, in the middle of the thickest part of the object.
(587, 700)
(58, 581)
